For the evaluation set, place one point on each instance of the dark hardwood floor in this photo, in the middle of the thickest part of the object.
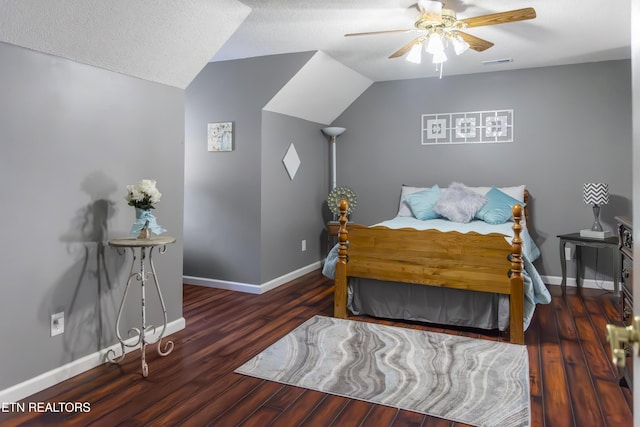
(573, 382)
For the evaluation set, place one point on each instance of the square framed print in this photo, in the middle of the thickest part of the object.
(220, 136)
(466, 127)
(435, 128)
(498, 126)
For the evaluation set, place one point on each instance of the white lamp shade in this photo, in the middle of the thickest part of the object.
(439, 57)
(596, 193)
(434, 44)
(333, 131)
(415, 54)
(459, 45)
(431, 9)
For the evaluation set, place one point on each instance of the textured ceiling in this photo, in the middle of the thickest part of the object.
(320, 91)
(564, 32)
(167, 42)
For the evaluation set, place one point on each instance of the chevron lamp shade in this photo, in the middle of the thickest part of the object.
(596, 193)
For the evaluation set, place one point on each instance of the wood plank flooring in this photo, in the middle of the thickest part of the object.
(573, 382)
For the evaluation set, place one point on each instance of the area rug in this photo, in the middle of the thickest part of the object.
(468, 380)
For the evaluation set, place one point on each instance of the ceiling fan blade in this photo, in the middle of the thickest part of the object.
(501, 17)
(379, 32)
(406, 48)
(475, 43)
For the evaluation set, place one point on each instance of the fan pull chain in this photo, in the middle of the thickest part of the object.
(439, 67)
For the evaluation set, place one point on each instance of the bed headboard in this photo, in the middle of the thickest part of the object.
(526, 206)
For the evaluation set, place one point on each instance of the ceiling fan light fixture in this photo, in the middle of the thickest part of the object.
(459, 44)
(438, 26)
(434, 43)
(431, 10)
(439, 57)
(415, 54)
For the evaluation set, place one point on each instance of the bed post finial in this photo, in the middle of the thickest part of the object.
(516, 303)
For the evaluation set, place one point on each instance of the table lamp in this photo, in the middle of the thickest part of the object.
(595, 194)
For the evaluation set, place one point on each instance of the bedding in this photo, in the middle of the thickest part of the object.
(517, 192)
(442, 305)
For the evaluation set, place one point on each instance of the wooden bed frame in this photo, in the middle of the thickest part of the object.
(469, 261)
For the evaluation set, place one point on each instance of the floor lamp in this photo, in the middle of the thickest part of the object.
(334, 133)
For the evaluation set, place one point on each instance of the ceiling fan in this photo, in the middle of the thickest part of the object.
(438, 26)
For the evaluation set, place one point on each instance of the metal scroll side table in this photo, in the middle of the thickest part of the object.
(145, 249)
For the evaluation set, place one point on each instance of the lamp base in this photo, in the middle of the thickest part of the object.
(595, 234)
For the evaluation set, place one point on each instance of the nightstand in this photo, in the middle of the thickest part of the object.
(609, 243)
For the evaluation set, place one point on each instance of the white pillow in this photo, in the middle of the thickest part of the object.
(404, 209)
(516, 192)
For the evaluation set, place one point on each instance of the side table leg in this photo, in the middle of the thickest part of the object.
(143, 340)
(563, 266)
(168, 347)
(578, 267)
(111, 354)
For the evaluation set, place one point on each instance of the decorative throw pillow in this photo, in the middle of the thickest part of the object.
(497, 210)
(516, 192)
(421, 203)
(403, 208)
(458, 203)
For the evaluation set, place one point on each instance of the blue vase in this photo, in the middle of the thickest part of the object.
(143, 215)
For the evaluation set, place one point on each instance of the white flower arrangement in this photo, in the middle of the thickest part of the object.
(143, 195)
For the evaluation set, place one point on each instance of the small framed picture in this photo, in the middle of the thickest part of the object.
(220, 136)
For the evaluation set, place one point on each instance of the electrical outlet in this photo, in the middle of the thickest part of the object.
(567, 253)
(57, 324)
(304, 245)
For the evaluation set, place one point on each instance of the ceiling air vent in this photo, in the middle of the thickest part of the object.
(497, 61)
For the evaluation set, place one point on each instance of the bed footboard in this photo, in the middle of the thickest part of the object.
(469, 261)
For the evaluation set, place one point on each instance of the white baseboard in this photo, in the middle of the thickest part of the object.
(71, 369)
(248, 287)
(260, 289)
(586, 283)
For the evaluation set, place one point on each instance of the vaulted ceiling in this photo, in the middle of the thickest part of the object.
(564, 32)
(170, 42)
(167, 42)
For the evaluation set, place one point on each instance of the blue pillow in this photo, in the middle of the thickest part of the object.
(497, 210)
(421, 203)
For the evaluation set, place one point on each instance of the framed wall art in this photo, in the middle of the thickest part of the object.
(220, 136)
(466, 128)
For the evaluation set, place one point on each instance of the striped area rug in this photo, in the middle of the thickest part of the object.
(473, 381)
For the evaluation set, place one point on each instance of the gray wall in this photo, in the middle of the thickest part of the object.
(292, 209)
(572, 125)
(238, 203)
(73, 137)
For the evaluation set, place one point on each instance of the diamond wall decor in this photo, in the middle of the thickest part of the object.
(291, 161)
